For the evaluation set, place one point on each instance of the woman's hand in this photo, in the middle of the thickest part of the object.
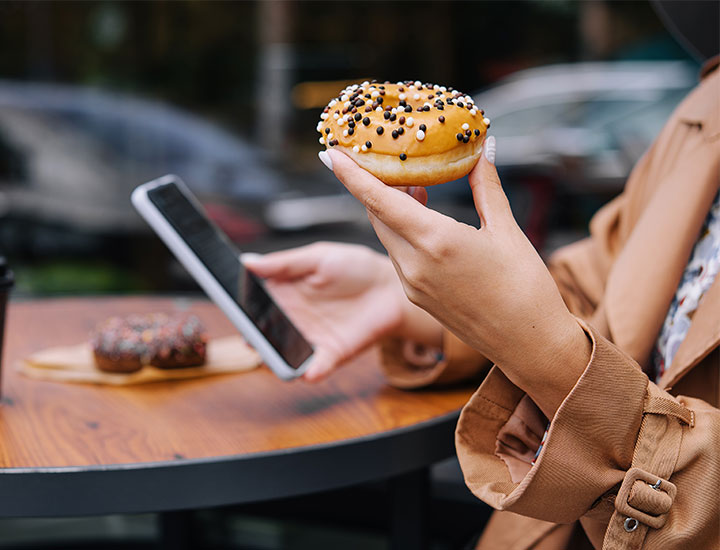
(343, 298)
(488, 286)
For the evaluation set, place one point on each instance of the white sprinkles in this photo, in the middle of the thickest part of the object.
(355, 102)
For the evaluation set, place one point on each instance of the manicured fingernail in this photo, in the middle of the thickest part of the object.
(325, 159)
(250, 257)
(317, 372)
(310, 375)
(490, 149)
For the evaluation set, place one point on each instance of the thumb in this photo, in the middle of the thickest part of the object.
(323, 363)
(490, 201)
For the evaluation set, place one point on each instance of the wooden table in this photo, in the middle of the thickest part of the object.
(78, 449)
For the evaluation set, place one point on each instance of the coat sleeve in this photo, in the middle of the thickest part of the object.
(617, 448)
(458, 362)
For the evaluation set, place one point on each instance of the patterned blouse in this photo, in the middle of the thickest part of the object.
(697, 278)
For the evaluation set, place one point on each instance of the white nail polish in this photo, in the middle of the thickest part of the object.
(325, 159)
(250, 257)
(490, 149)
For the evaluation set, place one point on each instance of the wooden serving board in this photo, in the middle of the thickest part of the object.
(77, 364)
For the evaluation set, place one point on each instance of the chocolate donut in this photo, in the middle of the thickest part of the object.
(407, 133)
(126, 344)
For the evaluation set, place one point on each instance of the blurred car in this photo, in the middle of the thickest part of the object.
(70, 156)
(568, 136)
(585, 123)
(574, 128)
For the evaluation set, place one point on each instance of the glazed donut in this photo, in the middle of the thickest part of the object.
(407, 133)
(127, 344)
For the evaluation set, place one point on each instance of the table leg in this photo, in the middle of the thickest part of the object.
(410, 496)
(175, 530)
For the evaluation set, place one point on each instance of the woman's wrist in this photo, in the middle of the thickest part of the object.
(550, 371)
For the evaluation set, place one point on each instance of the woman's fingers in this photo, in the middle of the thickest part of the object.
(401, 253)
(396, 209)
(286, 264)
(395, 245)
(322, 364)
(490, 201)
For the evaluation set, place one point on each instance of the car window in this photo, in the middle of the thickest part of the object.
(129, 139)
(13, 160)
(528, 120)
(646, 120)
(597, 112)
(642, 111)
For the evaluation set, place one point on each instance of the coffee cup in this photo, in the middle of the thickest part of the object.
(6, 282)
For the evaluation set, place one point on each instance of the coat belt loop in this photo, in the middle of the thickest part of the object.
(646, 496)
(669, 407)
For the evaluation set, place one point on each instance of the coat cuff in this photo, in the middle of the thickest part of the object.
(459, 362)
(587, 451)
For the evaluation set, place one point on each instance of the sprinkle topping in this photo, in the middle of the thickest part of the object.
(385, 108)
(155, 338)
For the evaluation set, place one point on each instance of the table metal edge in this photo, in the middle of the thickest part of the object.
(229, 479)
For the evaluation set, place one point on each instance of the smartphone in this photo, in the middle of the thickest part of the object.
(210, 257)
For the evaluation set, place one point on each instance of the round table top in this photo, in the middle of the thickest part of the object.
(76, 449)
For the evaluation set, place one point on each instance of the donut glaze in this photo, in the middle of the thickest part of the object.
(407, 133)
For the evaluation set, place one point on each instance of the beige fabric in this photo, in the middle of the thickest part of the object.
(464, 363)
(76, 364)
(619, 283)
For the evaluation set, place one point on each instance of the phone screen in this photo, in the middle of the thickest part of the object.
(221, 258)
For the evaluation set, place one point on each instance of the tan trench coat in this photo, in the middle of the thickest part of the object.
(616, 433)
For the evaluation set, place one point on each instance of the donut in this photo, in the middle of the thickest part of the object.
(407, 133)
(127, 344)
